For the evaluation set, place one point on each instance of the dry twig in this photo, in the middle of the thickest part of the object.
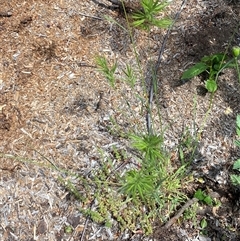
(180, 212)
(152, 82)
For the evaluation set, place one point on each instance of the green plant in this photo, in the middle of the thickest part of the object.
(187, 147)
(68, 229)
(191, 213)
(151, 182)
(142, 183)
(155, 176)
(150, 145)
(202, 196)
(147, 16)
(138, 184)
(236, 54)
(106, 70)
(203, 225)
(213, 65)
(129, 76)
(238, 129)
(235, 178)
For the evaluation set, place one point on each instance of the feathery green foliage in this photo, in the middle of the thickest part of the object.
(106, 70)
(147, 16)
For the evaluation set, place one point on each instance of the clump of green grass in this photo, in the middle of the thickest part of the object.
(107, 70)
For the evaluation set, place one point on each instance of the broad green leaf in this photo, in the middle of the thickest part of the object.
(199, 195)
(213, 59)
(217, 67)
(236, 165)
(218, 58)
(208, 200)
(203, 223)
(211, 85)
(194, 71)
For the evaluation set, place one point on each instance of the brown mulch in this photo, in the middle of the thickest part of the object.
(55, 108)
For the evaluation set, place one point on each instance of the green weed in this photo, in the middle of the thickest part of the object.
(138, 184)
(191, 214)
(106, 70)
(213, 65)
(235, 178)
(147, 17)
(203, 226)
(203, 197)
(129, 76)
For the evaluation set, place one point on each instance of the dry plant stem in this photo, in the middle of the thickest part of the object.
(89, 16)
(85, 227)
(117, 168)
(153, 80)
(10, 169)
(47, 160)
(180, 212)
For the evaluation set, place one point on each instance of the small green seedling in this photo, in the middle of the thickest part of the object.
(68, 229)
(202, 196)
(129, 76)
(213, 65)
(147, 16)
(236, 51)
(138, 184)
(106, 70)
(191, 214)
(203, 226)
(203, 223)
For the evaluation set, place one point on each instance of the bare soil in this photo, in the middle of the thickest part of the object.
(55, 109)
